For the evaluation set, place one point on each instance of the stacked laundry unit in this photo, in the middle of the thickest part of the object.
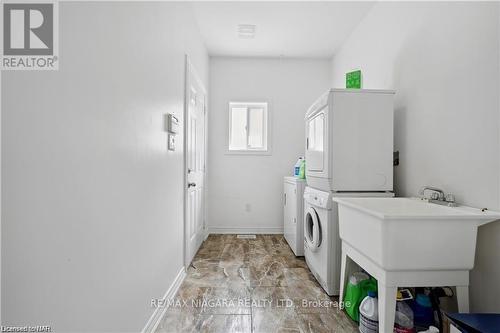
(349, 153)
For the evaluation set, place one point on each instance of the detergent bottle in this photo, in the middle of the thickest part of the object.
(296, 169)
(302, 169)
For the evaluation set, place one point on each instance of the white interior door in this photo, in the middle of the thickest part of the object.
(195, 145)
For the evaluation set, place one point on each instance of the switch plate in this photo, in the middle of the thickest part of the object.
(171, 141)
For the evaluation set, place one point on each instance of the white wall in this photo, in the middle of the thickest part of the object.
(245, 192)
(92, 220)
(0, 198)
(443, 61)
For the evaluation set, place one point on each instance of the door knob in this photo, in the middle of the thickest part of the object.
(191, 185)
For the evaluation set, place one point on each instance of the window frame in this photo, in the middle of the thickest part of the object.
(267, 128)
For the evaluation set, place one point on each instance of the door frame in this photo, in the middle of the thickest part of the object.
(190, 70)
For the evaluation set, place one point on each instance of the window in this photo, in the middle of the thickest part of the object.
(248, 127)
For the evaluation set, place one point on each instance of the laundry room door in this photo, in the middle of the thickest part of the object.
(195, 147)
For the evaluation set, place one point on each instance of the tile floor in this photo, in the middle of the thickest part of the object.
(252, 285)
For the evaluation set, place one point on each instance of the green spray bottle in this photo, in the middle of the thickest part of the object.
(302, 169)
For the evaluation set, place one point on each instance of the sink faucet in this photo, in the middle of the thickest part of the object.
(436, 190)
(437, 196)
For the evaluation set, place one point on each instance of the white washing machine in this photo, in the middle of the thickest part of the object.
(321, 239)
(322, 247)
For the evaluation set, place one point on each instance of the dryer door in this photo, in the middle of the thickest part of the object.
(312, 229)
(315, 141)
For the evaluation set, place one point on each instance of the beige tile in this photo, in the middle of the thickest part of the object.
(308, 298)
(177, 321)
(326, 323)
(224, 323)
(274, 320)
(222, 300)
(236, 284)
(216, 276)
(276, 274)
(236, 251)
(272, 297)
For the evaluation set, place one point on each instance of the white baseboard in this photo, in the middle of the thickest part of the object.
(245, 230)
(206, 233)
(159, 312)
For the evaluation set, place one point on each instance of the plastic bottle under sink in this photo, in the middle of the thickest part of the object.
(404, 318)
(422, 311)
(368, 314)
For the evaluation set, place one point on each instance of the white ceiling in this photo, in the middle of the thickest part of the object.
(290, 29)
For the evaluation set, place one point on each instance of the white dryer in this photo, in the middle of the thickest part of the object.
(322, 247)
(349, 141)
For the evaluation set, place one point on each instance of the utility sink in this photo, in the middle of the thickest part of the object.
(406, 242)
(410, 233)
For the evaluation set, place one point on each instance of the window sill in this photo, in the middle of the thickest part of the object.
(248, 152)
